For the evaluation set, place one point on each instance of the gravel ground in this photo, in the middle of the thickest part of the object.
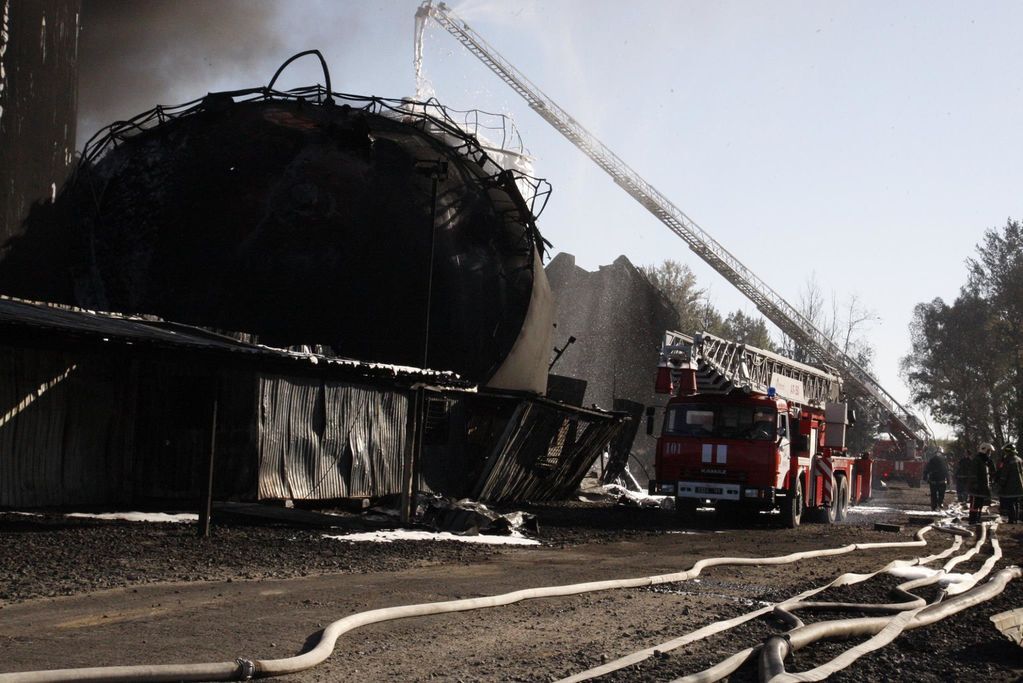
(53, 555)
(84, 588)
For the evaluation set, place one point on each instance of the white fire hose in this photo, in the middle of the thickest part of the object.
(885, 629)
(721, 626)
(245, 669)
(773, 653)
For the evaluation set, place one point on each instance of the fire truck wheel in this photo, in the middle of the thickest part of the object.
(915, 483)
(827, 514)
(842, 489)
(792, 510)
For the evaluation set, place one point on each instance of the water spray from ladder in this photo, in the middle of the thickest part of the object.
(424, 89)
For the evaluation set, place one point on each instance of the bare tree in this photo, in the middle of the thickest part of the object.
(847, 324)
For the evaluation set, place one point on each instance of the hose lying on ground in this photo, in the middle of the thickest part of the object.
(911, 619)
(873, 625)
(779, 645)
(784, 611)
(721, 626)
(244, 669)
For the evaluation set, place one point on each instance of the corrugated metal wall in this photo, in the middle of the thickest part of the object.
(90, 428)
(322, 439)
(66, 427)
(108, 429)
(173, 419)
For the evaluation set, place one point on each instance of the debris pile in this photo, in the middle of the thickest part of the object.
(468, 517)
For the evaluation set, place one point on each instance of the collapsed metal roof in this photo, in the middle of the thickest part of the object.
(58, 325)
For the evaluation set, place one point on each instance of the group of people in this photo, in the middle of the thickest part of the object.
(978, 478)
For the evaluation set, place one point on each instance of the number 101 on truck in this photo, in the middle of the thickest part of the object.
(746, 430)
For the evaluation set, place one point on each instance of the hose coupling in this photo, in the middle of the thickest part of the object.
(246, 668)
(783, 641)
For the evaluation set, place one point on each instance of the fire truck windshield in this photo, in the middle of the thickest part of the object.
(721, 421)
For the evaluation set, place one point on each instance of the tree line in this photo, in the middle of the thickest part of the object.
(966, 361)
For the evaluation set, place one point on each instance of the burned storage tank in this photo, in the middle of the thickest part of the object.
(376, 229)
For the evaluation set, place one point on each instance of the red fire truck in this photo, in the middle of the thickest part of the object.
(747, 430)
(897, 460)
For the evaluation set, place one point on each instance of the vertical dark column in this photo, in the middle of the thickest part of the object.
(206, 504)
(38, 105)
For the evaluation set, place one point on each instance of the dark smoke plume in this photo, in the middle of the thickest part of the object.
(135, 55)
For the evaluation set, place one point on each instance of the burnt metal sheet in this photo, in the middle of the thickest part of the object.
(544, 452)
(90, 428)
(322, 440)
(621, 447)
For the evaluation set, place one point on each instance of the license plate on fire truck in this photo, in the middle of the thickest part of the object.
(708, 490)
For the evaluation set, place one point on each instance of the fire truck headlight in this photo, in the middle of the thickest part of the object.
(751, 493)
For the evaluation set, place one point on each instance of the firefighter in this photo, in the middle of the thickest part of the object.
(963, 478)
(980, 482)
(1010, 484)
(936, 475)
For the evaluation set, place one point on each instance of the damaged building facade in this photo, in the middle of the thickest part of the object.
(618, 319)
(244, 249)
(103, 409)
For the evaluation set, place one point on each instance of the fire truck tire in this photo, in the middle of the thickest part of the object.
(792, 511)
(915, 483)
(842, 491)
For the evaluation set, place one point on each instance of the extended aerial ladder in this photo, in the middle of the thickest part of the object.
(902, 422)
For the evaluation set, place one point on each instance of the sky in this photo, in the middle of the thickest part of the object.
(867, 145)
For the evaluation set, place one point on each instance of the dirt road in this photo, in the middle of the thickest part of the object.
(244, 595)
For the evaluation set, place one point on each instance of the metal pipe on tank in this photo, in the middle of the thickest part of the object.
(435, 170)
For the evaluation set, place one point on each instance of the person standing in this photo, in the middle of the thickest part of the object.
(980, 483)
(1010, 484)
(936, 475)
(963, 479)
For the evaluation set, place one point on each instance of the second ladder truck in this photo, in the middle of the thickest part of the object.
(746, 430)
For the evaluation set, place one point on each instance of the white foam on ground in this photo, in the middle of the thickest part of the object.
(164, 517)
(919, 572)
(637, 496)
(878, 509)
(391, 535)
(916, 572)
(870, 509)
(26, 514)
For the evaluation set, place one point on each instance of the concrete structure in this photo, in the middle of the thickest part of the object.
(618, 319)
